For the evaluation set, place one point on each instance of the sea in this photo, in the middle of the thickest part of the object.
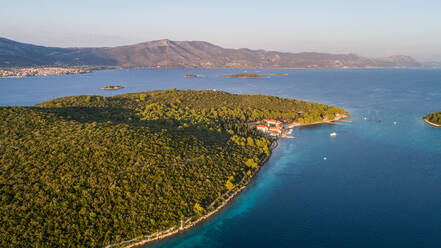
(379, 186)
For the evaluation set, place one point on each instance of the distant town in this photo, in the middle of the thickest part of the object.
(18, 72)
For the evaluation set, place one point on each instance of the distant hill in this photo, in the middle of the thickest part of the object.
(186, 54)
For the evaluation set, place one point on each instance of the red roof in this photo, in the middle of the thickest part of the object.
(261, 126)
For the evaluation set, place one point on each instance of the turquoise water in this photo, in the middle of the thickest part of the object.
(379, 187)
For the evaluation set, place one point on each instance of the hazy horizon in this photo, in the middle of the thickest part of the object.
(371, 29)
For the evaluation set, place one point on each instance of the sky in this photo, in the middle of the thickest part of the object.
(373, 28)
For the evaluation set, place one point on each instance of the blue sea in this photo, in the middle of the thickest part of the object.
(380, 185)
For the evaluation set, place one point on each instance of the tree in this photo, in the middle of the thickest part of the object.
(198, 209)
(251, 163)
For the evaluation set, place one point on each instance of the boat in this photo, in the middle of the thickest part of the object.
(112, 87)
(333, 134)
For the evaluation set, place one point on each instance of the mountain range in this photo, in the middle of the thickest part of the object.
(185, 54)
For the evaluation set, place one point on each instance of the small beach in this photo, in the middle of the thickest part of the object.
(337, 118)
(431, 123)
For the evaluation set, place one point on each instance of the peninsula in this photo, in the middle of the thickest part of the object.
(433, 119)
(133, 168)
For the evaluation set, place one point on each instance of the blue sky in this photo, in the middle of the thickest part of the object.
(372, 28)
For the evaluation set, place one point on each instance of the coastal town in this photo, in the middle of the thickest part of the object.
(274, 128)
(18, 72)
(279, 129)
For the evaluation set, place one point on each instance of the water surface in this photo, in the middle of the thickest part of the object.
(379, 187)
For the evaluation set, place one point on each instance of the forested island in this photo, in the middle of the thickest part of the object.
(433, 119)
(92, 171)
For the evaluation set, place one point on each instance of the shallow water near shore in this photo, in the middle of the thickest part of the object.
(380, 185)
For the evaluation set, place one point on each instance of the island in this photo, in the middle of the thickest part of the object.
(18, 72)
(279, 74)
(112, 87)
(190, 76)
(94, 171)
(433, 119)
(244, 75)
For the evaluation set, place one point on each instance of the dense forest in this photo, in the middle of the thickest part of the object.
(89, 171)
(434, 118)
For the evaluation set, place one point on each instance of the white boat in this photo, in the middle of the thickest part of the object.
(333, 134)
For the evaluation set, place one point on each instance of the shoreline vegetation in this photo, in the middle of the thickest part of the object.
(133, 167)
(336, 118)
(173, 231)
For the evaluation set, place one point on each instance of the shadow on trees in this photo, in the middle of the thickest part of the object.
(131, 119)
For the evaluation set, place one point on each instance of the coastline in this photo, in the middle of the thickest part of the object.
(431, 123)
(139, 241)
(146, 239)
(337, 118)
(173, 231)
(44, 71)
